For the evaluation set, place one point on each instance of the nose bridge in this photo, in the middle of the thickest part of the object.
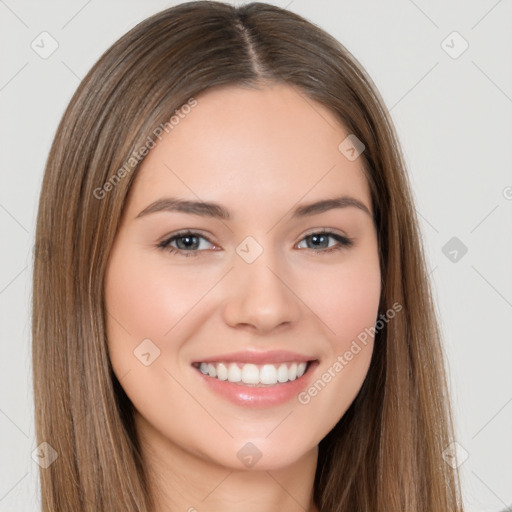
(259, 295)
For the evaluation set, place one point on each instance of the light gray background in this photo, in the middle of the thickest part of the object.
(453, 117)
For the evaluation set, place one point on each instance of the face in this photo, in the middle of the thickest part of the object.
(257, 286)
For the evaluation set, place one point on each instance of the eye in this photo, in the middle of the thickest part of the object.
(318, 240)
(186, 241)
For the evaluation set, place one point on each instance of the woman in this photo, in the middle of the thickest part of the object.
(196, 345)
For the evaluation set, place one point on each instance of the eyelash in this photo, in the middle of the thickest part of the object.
(344, 242)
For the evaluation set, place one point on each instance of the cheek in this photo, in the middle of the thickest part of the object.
(148, 299)
(345, 299)
(350, 305)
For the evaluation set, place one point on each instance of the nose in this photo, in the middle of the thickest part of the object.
(260, 298)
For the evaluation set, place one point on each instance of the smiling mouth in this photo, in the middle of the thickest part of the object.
(248, 374)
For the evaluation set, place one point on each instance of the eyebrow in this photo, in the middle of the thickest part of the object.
(215, 210)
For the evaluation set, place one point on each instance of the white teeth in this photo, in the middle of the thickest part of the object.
(222, 372)
(211, 370)
(292, 372)
(234, 373)
(282, 373)
(268, 374)
(252, 374)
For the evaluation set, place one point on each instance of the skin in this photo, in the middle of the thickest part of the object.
(259, 153)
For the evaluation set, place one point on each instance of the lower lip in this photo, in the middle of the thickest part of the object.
(259, 396)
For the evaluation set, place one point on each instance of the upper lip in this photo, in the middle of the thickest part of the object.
(257, 357)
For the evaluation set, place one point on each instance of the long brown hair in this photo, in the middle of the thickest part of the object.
(386, 452)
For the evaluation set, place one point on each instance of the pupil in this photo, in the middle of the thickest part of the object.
(190, 241)
(317, 238)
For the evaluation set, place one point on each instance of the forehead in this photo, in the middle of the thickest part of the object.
(250, 147)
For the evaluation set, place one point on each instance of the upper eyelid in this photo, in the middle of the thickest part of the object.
(187, 233)
(325, 230)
